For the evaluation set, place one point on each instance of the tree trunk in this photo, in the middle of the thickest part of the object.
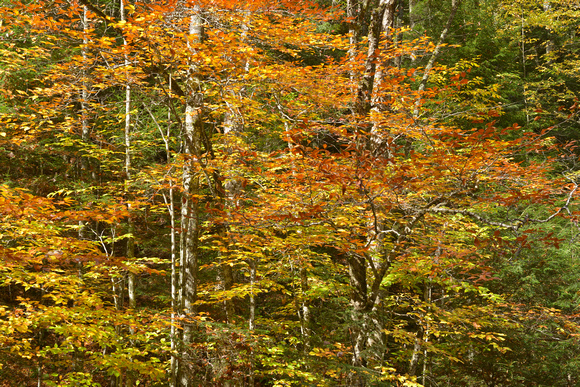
(170, 203)
(379, 140)
(305, 314)
(85, 128)
(252, 319)
(130, 240)
(358, 301)
(190, 223)
(130, 250)
(85, 96)
(227, 196)
(363, 326)
(367, 82)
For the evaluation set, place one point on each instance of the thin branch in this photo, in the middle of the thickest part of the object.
(454, 6)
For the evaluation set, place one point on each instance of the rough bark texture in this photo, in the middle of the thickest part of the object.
(367, 83)
(363, 324)
(190, 222)
(379, 140)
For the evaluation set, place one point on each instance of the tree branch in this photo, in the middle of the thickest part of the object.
(454, 6)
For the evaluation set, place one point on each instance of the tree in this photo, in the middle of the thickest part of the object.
(323, 219)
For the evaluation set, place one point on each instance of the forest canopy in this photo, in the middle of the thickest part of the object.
(277, 193)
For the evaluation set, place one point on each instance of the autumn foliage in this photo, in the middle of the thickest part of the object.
(214, 192)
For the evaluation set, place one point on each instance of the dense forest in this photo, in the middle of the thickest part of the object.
(289, 193)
